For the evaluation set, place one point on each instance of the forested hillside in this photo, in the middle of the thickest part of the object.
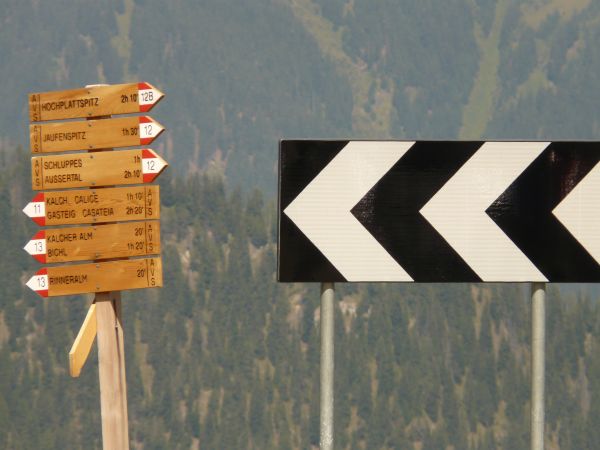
(224, 357)
(241, 76)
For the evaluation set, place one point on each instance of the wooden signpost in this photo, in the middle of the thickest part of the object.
(119, 240)
(90, 206)
(95, 169)
(93, 101)
(119, 222)
(108, 276)
(93, 134)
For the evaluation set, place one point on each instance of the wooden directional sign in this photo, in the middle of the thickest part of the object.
(97, 277)
(93, 134)
(91, 206)
(95, 169)
(94, 101)
(118, 240)
(439, 211)
(119, 216)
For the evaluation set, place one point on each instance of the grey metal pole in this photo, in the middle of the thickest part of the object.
(327, 367)
(538, 348)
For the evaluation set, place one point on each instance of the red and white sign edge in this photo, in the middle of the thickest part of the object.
(39, 282)
(152, 165)
(149, 129)
(36, 247)
(148, 96)
(36, 209)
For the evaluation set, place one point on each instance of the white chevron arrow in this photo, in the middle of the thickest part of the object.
(579, 212)
(457, 211)
(322, 211)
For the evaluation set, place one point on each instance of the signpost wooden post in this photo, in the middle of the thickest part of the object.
(111, 371)
(105, 241)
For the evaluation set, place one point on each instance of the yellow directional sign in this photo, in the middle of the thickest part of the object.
(93, 134)
(95, 169)
(91, 206)
(97, 277)
(93, 101)
(119, 240)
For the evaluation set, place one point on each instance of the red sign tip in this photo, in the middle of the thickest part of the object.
(40, 258)
(41, 221)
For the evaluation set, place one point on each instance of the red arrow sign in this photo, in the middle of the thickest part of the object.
(152, 165)
(148, 96)
(36, 247)
(39, 282)
(149, 129)
(36, 209)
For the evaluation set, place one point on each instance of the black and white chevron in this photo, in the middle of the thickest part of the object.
(433, 211)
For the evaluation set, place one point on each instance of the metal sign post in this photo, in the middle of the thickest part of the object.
(327, 365)
(538, 344)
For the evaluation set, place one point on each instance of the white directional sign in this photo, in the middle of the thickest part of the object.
(458, 211)
(335, 200)
(439, 211)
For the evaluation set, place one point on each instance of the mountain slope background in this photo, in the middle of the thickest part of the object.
(223, 356)
(239, 77)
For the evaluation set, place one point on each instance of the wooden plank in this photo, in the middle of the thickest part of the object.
(93, 134)
(95, 169)
(83, 343)
(93, 101)
(111, 370)
(120, 240)
(97, 277)
(91, 206)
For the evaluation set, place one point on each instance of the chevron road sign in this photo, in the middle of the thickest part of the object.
(431, 211)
